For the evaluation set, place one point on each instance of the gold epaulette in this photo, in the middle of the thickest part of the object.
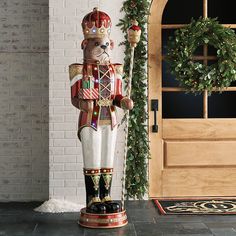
(75, 69)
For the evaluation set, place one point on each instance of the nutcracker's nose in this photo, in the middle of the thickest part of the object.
(103, 47)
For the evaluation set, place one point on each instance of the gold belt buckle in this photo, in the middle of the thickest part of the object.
(104, 103)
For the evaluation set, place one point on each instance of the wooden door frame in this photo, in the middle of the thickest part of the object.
(154, 87)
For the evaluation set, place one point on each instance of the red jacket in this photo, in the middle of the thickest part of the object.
(102, 84)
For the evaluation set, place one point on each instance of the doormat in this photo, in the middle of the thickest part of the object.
(213, 206)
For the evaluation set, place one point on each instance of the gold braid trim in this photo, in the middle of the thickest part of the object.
(96, 179)
(92, 171)
(107, 170)
(104, 102)
(94, 200)
(107, 179)
(106, 199)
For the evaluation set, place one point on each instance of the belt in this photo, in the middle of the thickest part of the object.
(104, 102)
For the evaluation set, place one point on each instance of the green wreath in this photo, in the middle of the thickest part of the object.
(195, 76)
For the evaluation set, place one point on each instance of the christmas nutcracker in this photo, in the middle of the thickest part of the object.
(96, 90)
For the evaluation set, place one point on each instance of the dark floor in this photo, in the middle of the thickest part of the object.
(19, 219)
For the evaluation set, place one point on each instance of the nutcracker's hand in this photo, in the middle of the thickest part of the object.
(127, 103)
(86, 105)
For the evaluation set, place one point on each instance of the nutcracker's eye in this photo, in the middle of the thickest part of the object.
(97, 44)
(107, 44)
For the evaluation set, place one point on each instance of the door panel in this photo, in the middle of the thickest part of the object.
(199, 129)
(199, 182)
(191, 154)
(194, 152)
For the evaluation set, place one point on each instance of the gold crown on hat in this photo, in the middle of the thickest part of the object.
(96, 24)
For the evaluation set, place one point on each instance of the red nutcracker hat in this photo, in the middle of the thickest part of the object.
(96, 24)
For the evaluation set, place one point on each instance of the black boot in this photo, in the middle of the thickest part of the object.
(93, 201)
(105, 191)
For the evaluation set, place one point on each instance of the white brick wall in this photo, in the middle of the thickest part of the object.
(66, 177)
(23, 100)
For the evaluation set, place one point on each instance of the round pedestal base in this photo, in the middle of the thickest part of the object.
(110, 220)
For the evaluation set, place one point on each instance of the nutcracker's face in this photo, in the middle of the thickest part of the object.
(97, 49)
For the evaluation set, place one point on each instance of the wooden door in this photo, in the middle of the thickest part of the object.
(194, 151)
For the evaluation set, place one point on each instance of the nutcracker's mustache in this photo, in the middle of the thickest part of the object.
(104, 52)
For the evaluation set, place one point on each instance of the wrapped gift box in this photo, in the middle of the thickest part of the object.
(91, 93)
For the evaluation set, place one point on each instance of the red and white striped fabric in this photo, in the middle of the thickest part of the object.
(88, 93)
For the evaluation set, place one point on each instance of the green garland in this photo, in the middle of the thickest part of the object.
(138, 143)
(197, 77)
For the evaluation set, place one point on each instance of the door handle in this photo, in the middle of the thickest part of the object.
(154, 107)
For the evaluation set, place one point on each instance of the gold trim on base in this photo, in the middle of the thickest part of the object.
(103, 227)
(107, 220)
(94, 200)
